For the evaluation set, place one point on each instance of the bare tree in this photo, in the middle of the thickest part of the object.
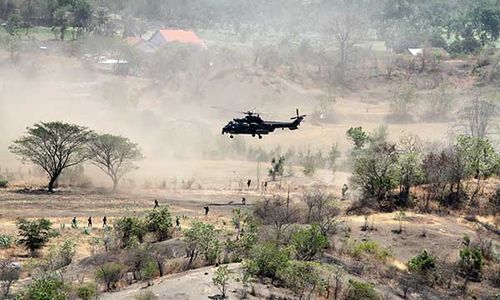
(347, 29)
(477, 116)
(321, 209)
(9, 273)
(115, 155)
(277, 213)
(54, 146)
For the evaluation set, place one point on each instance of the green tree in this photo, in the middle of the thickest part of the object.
(130, 228)
(159, 221)
(202, 240)
(221, 279)
(480, 159)
(409, 166)
(302, 277)
(35, 234)
(54, 146)
(358, 137)
(12, 41)
(309, 242)
(475, 25)
(110, 273)
(374, 171)
(114, 155)
(265, 260)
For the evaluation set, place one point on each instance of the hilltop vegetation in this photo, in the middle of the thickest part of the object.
(390, 190)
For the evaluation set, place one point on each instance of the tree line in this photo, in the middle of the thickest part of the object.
(460, 25)
(56, 146)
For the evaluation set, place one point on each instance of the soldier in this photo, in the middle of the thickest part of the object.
(265, 186)
(104, 220)
(344, 190)
(74, 224)
(249, 182)
(243, 201)
(177, 222)
(156, 204)
(89, 221)
(206, 209)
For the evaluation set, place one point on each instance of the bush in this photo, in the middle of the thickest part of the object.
(266, 260)
(87, 291)
(5, 241)
(300, 276)
(146, 295)
(34, 234)
(424, 262)
(159, 221)
(360, 290)
(202, 240)
(309, 242)
(368, 247)
(49, 286)
(471, 262)
(220, 279)
(3, 183)
(130, 228)
(67, 252)
(110, 274)
(149, 271)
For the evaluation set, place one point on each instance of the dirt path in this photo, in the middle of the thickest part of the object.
(191, 285)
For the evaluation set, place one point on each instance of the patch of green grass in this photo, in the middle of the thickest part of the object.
(372, 248)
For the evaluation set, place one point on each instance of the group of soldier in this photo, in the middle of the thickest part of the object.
(74, 222)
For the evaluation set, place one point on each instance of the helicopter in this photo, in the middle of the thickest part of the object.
(253, 124)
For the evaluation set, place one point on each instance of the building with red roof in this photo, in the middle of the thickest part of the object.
(164, 36)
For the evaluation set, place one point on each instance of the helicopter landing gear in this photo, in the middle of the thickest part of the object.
(231, 136)
(260, 137)
(253, 134)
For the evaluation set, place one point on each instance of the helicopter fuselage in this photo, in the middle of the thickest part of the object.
(253, 125)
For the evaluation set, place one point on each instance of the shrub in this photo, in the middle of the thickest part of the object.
(159, 221)
(67, 252)
(49, 286)
(87, 291)
(221, 278)
(129, 228)
(110, 274)
(266, 259)
(3, 183)
(5, 241)
(34, 234)
(471, 261)
(368, 247)
(149, 271)
(361, 290)
(202, 240)
(308, 242)
(146, 295)
(424, 262)
(300, 276)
